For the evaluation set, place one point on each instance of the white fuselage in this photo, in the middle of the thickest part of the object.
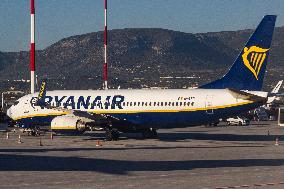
(132, 102)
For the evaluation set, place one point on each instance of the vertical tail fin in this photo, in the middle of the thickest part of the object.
(248, 70)
(277, 87)
(274, 92)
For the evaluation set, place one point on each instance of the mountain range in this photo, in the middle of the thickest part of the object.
(139, 57)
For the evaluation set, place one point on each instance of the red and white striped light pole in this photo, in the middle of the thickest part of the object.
(105, 45)
(32, 48)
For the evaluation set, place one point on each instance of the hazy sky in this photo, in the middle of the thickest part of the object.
(57, 19)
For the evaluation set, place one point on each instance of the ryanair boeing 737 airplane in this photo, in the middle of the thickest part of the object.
(147, 110)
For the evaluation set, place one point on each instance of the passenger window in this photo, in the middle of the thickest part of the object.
(176, 103)
(134, 104)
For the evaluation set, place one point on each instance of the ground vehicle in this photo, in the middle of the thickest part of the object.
(238, 121)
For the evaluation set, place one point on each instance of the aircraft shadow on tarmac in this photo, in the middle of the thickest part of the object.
(53, 163)
(179, 136)
(128, 147)
(216, 137)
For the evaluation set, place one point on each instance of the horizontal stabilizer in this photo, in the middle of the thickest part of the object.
(246, 96)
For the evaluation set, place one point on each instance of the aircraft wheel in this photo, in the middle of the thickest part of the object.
(32, 133)
(112, 134)
(150, 133)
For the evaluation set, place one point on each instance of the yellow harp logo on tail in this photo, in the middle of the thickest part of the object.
(253, 57)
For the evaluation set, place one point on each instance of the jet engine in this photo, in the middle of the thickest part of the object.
(68, 124)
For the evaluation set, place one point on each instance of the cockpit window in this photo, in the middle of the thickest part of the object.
(15, 103)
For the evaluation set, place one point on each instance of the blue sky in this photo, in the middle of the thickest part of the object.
(57, 19)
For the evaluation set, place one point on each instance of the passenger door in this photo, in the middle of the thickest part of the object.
(209, 104)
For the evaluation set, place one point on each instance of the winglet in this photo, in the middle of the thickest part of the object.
(41, 94)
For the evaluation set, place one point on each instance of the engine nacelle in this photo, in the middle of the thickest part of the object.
(68, 124)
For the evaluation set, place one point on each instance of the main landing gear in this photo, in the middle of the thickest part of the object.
(32, 131)
(150, 133)
(112, 134)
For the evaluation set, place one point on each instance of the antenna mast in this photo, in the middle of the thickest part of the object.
(32, 47)
(105, 84)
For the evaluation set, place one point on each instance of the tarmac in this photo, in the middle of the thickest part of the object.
(190, 158)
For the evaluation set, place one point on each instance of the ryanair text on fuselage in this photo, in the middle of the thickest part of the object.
(84, 102)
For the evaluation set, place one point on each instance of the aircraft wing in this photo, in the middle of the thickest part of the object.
(97, 120)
